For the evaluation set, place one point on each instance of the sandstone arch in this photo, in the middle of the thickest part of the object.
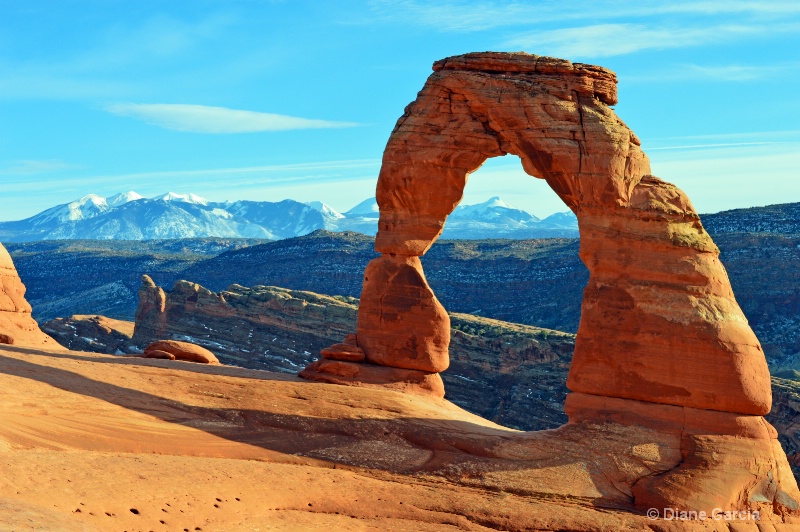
(659, 321)
(662, 343)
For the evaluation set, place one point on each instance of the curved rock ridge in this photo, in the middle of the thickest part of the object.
(17, 326)
(660, 334)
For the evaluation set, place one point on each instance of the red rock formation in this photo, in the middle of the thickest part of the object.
(151, 317)
(658, 294)
(157, 353)
(17, 326)
(180, 351)
(661, 338)
(401, 323)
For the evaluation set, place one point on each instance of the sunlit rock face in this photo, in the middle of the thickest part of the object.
(659, 321)
(661, 343)
(17, 326)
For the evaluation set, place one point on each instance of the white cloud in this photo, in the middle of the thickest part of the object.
(714, 145)
(682, 72)
(207, 119)
(33, 167)
(471, 16)
(605, 40)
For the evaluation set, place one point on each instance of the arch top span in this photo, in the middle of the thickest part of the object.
(591, 80)
(552, 113)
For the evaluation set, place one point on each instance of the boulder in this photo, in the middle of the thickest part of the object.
(345, 352)
(157, 353)
(181, 351)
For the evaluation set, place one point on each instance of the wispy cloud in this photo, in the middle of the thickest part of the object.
(792, 135)
(470, 16)
(34, 167)
(206, 119)
(718, 178)
(742, 73)
(99, 63)
(713, 145)
(205, 178)
(780, 140)
(605, 40)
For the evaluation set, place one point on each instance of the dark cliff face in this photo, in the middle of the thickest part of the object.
(66, 277)
(538, 282)
(512, 374)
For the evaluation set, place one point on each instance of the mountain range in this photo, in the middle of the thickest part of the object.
(130, 216)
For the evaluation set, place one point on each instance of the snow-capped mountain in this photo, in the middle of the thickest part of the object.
(122, 198)
(184, 198)
(326, 210)
(366, 209)
(83, 208)
(493, 211)
(130, 216)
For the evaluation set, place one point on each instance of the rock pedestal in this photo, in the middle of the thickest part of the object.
(661, 337)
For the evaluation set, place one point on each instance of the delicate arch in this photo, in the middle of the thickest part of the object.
(659, 321)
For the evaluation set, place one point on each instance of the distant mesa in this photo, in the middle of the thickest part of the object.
(129, 216)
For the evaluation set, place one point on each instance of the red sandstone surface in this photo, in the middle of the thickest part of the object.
(181, 351)
(222, 448)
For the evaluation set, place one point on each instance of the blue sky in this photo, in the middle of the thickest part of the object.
(267, 100)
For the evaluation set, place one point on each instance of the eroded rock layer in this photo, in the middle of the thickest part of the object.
(17, 326)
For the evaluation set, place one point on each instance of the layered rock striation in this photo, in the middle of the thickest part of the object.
(17, 326)
(661, 341)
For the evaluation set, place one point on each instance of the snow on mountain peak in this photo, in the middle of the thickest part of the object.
(88, 206)
(325, 209)
(89, 198)
(122, 198)
(493, 202)
(368, 207)
(185, 198)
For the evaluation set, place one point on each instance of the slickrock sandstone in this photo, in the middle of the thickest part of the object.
(180, 351)
(661, 337)
(17, 326)
(193, 444)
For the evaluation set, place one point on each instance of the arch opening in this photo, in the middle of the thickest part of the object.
(504, 177)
